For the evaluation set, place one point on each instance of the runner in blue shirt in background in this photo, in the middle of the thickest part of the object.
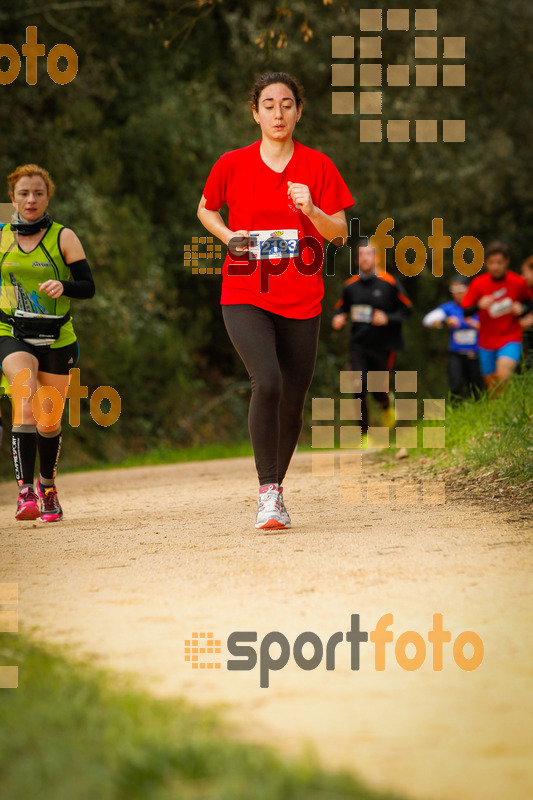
(463, 362)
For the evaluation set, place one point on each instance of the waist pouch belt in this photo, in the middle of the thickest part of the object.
(35, 326)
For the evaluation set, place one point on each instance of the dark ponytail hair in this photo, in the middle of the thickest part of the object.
(276, 77)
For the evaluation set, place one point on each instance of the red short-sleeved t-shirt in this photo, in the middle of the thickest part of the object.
(257, 200)
(498, 325)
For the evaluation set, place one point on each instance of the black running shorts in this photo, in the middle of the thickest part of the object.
(57, 360)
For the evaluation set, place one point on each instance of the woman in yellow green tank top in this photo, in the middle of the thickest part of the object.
(42, 266)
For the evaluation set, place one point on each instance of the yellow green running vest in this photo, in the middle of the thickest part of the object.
(20, 276)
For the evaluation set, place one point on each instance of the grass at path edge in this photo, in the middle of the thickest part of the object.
(73, 732)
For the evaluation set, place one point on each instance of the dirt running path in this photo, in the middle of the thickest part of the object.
(146, 556)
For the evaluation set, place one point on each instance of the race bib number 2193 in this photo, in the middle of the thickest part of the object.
(273, 244)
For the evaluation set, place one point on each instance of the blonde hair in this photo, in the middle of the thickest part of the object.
(28, 171)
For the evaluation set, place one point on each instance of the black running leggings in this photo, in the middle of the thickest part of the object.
(279, 354)
(464, 375)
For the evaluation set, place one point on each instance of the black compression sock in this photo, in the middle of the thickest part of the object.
(49, 445)
(24, 450)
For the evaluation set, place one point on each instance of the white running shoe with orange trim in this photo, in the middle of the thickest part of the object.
(268, 508)
(283, 513)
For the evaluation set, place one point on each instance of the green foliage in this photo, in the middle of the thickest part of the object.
(161, 92)
(70, 731)
(490, 436)
(495, 434)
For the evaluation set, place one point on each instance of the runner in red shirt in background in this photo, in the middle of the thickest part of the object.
(283, 199)
(498, 296)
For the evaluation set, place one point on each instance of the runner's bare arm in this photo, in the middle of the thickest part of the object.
(339, 321)
(213, 222)
(71, 247)
(452, 322)
(379, 317)
(485, 301)
(332, 227)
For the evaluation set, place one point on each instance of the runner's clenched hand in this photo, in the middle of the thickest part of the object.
(301, 197)
(239, 242)
(52, 288)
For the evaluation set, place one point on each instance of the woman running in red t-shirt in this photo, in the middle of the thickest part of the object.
(283, 198)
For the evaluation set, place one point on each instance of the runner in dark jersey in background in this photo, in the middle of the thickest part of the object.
(278, 192)
(377, 305)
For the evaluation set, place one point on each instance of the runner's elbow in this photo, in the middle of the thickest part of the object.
(342, 233)
(201, 208)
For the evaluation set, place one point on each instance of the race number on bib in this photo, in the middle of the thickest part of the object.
(500, 307)
(273, 244)
(361, 313)
(465, 336)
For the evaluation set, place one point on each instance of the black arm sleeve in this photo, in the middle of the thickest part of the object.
(469, 311)
(404, 307)
(401, 314)
(82, 286)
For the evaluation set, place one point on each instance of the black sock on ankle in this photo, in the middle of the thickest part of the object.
(49, 445)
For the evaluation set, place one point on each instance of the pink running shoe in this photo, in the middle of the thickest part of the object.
(51, 511)
(27, 505)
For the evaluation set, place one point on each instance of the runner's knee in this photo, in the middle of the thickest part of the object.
(266, 387)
